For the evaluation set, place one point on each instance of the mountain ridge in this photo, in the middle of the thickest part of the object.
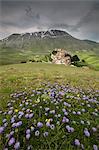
(40, 34)
(47, 33)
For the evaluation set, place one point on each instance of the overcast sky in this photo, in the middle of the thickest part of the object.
(79, 18)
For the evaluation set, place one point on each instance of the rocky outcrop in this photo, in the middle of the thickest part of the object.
(60, 56)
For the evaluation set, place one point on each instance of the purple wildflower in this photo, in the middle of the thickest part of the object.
(28, 131)
(11, 133)
(27, 116)
(39, 124)
(27, 136)
(20, 105)
(66, 104)
(77, 143)
(61, 93)
(94, 129)
(86, 132)
(18, 124)
(11, 141)
(69, 129)
(95, 147)
(66, 113)
(17, 145)
(31, 115)
(64, 110)
(48, 124)
(51, 119)
(5, 124)
(78, 113)
(21, 113)
(1, 129)
(12, 120)
(74, 112)
(10, 112)
(4, 120)
(65, 120)
(52, 94)
(72, 129)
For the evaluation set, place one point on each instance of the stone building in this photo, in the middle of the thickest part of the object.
(60, 56)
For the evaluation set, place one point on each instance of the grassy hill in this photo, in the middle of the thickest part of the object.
(90, 57)
(20, 76)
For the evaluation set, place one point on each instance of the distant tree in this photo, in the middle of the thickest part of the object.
(83, 60)
(23, 61)
(49, 57)
(75, 58)
(30, 60)
(54, 52)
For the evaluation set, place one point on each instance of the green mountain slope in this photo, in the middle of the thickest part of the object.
(18, 47)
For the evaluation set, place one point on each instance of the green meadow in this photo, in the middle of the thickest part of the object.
(18, 77)
(91, 59)
(48, 106)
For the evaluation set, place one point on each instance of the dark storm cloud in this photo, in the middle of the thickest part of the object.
(91, 16)
(80, 18)
(30, 13)
(18, 14)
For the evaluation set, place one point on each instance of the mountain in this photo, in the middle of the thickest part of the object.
(20, 46)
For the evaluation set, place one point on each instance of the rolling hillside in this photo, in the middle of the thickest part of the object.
(18, 47)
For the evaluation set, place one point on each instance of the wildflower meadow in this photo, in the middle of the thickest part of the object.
(53, 116)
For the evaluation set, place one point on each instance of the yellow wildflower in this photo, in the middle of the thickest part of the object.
(48, 120)
(16, 110)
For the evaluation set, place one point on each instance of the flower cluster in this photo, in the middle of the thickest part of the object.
(61, 115)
